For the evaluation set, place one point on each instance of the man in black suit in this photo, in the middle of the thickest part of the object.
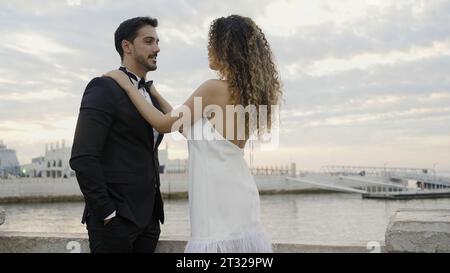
(115, 151)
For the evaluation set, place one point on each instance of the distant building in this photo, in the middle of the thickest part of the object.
(35, 168)
(54, 164)
(9, 165)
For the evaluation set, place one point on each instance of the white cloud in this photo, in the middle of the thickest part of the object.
(364, 61)
(37, 96)
(34, 44)
(283, 18)
(349, 120)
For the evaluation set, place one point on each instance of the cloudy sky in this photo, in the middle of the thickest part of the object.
(365, 82)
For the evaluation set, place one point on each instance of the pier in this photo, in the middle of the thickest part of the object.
(326, 186)
(379, 182)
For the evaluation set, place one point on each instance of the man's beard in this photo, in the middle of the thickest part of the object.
(144, 62)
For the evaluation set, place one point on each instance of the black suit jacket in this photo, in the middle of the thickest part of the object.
(114, 156)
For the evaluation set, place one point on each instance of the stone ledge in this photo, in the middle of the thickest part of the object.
(15, 242)
(419, 230)
(2, 216)
(21, 242)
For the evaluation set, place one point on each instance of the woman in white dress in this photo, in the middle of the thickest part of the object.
(223, 198)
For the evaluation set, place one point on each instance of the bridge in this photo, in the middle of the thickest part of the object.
(378, 182)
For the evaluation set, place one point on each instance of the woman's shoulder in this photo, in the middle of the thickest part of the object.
(215, 91)
(216, 83)
(215, 87)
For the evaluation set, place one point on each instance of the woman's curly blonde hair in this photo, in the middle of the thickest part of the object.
(244, 58)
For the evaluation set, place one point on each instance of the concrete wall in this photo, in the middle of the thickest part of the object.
(419, 230)
(2, 216)
(172, 185)
(34, 187)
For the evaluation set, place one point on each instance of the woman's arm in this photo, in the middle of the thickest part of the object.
(163, 123)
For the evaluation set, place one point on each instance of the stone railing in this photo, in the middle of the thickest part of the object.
(2, 216)
(419, 230)
(13, 242)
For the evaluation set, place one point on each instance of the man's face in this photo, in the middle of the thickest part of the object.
(145, 48)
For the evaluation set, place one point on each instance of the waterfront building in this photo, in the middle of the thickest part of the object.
(9, 165)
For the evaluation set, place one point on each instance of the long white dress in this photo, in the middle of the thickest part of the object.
(223, 198)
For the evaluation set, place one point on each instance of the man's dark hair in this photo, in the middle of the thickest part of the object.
(128, 30)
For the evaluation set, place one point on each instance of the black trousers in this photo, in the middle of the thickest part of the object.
(122, 236)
